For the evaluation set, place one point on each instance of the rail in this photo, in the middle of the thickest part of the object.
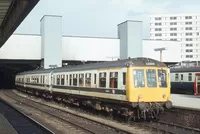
(87, 125)
(159, 126)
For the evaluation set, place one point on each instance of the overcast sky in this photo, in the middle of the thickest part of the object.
(99, 18)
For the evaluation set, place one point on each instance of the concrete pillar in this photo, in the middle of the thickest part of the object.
(51, 34)
(130, 35)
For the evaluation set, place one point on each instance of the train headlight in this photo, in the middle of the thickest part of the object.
(139, 97)
(164, 96)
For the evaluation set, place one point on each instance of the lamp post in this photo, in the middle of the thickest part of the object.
(160, 49)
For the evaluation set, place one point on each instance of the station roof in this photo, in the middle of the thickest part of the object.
(12, 13)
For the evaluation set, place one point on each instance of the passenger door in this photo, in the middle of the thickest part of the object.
(51, 80)
(197, 84)
(123, 81)
(181, 80)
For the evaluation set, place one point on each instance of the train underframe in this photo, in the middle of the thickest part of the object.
(130, 111)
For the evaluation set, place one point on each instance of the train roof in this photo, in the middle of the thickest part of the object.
(140, 61)
(184, 69)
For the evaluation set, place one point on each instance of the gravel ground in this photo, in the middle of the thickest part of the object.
(130, 128)
(50, 122)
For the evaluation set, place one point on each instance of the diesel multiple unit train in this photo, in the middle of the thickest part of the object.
(185, 80)
(138, 88)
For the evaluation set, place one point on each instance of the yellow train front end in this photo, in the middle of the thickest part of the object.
(148, 89)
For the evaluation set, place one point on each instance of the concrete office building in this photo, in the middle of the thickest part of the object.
(181, 27)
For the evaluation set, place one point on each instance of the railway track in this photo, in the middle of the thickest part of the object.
(183, 117)
(20, 122)
(170, 128)
(83, 125)
(153, 127)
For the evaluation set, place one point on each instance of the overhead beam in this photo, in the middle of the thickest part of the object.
(16, 13)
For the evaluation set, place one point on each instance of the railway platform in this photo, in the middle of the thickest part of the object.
(14, 122)
(5, 126)
(186, 101)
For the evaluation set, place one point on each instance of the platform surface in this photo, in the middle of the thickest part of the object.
(186, 101)
(5, 127)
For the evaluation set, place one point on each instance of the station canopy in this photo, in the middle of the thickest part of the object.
(12, 13)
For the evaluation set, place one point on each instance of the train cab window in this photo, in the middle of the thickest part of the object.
(88, 79)
(190, 77)
(75, 80)
(151, 78)
(124, 78)
(162, 78)
(81, 80)
(113, 79)
(62, 79)
(58, 79)
(176, 77)
(102, 79)
(139, 78)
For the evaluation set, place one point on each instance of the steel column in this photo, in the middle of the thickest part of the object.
(16, 13)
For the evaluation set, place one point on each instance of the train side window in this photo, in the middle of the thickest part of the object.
(190, 77)
(88, 79)
(81, 80)
(43, 79)
(139, 78)
(113, 79)
(75, 79)
(124, 78)
(66, 80)
(37, 79)
(181, 76)
(47, 78)
(58, 79)
(176, 77)
(151, 78)
(62, 79)
(70, 79)
(102, 79)
(162, 78)
(95, 78)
